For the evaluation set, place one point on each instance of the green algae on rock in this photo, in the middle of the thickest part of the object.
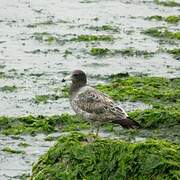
(155, 17)
(156, 118)
(45, 98)
(170, 3)
(13, 151)
(47, 51)
(43, 23)
(2, 75)
(163, 94)
(8, 88)
(169, 19)
(162, 33)
(172, 19)
(41, 124)
(147, 89)
(106, 27)
(175, 53)
(99, 51)
(123, 52)
(73, 157)
(59, 93)
(93, 38)
(45, 37)
(46, 23)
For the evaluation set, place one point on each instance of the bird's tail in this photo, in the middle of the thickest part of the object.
(128, 123)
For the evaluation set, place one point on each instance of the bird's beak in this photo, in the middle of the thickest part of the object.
(67, 78)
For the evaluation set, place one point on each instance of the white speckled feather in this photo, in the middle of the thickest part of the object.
(94, 105)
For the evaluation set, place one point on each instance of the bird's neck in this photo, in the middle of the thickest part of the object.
(74, 88)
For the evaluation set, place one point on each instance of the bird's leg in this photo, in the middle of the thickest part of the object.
(92, 127)
(97, 128)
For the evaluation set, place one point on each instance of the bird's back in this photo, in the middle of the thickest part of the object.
(95, 105)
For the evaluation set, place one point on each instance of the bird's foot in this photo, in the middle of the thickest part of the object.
(91, 138)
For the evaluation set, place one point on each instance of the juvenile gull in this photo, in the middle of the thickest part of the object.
(94, 105)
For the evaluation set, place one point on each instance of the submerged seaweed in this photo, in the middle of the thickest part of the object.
(73, 157)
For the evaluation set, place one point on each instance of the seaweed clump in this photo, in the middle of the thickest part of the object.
(12, 151)
(175, 53)
(151, 90)
(163, 94)
(124, 52)
(73, 157)
(41, 124)
(45, 37)
(8, 88)
(162, 33)
(169, 3)
(169, 19)
(93, 38)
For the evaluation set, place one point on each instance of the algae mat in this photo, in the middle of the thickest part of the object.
(73, 157)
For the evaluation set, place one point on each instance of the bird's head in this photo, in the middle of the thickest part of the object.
(77, 77)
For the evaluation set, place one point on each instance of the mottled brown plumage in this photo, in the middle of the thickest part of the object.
(94, 105)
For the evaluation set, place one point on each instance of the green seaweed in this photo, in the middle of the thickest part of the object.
(37, 51)
(155, 17)
(13, 151)
(175, 53)
(8, 88)
(172, 19)
(163, 94)
(45, 98)
(50, 138)
(99, 51)
(169, 19)
(46, 23)
(41, 124)
(134, 52)
(45, 37)
(62, 92)
(106, 27)
(23, 144)
(93, 38)
(59, 93)
(2, 67)
(157, 118)
(170, 3)
(162, 33)
(41, 99)
(2, 75)
(74, 157)
(67, 53)
(147, 89)
(123, 52)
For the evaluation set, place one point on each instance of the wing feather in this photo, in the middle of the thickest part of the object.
(90, 100)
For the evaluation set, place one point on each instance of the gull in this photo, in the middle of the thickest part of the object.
(94, 105)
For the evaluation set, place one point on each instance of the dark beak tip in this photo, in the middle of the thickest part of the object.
(63, 80)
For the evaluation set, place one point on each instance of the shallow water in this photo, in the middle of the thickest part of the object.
(35, 68)
(40, 73)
